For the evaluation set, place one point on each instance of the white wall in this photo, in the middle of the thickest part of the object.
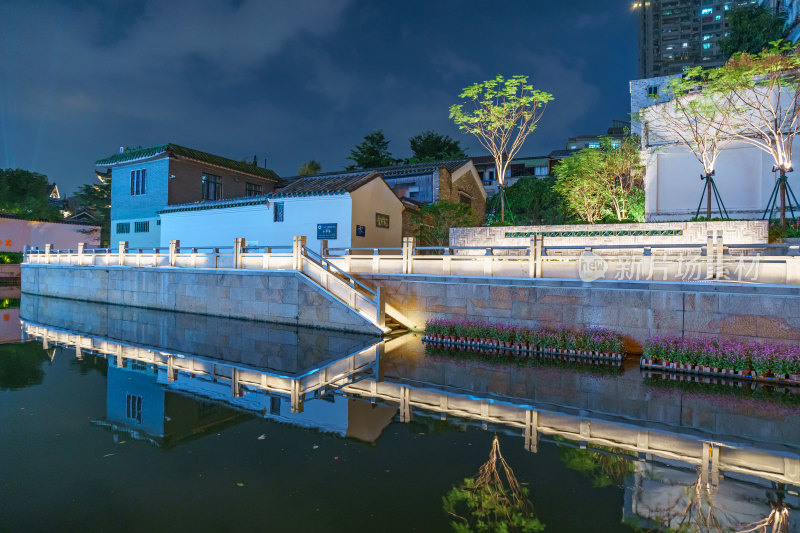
(743, 176)
(376, 197)
(218, 227)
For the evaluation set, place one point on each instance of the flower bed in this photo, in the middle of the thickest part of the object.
(751, 360)
(591, 343)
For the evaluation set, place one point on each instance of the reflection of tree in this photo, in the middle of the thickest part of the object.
(487, 502)
(696, 511)
(21, 365)
(604, 466)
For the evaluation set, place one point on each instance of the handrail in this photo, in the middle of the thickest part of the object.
(319, 259)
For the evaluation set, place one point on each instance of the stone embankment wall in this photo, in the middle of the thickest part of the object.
(282, 297)
(635, 308)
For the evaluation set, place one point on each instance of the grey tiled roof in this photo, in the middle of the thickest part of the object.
(325, 184)
(560, 154)
(391, 172)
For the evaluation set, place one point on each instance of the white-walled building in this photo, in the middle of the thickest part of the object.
(352, 211)
(743, 173)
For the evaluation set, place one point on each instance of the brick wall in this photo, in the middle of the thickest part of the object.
(187, 187)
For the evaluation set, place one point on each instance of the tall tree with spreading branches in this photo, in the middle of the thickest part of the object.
(698, 120)
(761, 93)
(501, 113)
(372, 152)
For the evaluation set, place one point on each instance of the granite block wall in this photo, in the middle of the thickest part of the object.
(635, 308)
(282, 297)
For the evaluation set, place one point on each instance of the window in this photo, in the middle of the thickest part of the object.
(593, 144)
(141, 227)
(684, 45)
(652, 91)
(541, 171)
(707, 37)
(615, 144)
(381, 220)
(252, 189)
(706, 10)
(277, 215)
(706, 46)
(212, 187)
(123, 227)
(274, 405)
(133, 407)
(138, 182)
(718, 17)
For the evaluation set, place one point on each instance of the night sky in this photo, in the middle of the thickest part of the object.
(291, 80)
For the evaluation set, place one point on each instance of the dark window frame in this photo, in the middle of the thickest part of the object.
(278, 212)
(211, 187)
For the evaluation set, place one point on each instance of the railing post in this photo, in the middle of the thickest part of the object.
(446, 267)
(353, 294)
(404, 253)
(411, 243)
(539, 245)
(123, 249)
(720, 260)
(81, 246)
(380, 310)
(238, 243)
(488, 269)
(47, 248)
(376, 258)
(25, 258)
(323, 248)
(709, 253)
(174, 249)
(532, 258)
(347, 260)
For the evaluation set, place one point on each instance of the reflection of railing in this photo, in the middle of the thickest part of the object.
(299, 388)
(711, 456)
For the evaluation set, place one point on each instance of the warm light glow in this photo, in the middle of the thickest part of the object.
(636, 5)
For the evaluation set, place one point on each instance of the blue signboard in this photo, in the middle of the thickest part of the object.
(361, 231)
(326, 231)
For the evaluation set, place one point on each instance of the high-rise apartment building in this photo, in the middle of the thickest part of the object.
(674, 34)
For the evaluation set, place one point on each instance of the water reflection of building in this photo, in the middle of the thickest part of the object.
(9, 313)
(675, 455)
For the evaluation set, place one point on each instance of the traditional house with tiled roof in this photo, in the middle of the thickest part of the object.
(425, 183)
(146, 180)
(355, 210)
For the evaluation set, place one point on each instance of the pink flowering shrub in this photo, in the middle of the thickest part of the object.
(766, 357)
(593, 339)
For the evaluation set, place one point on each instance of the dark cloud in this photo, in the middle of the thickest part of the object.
(289, 81)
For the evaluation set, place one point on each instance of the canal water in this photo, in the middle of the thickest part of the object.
(130, 420)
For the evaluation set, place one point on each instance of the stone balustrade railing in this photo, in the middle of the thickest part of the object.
(712, 261)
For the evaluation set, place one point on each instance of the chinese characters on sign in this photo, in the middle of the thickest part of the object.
(381, 220)
(326, 231)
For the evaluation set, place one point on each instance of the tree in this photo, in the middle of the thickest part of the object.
(751, 29)
(372, 152)
(605, 181)
(26, 194)
(698, 120)
(96, 198)
(534, 201)
(761, 94)
(310, 168)
(433, 221)
(502, 113)
(431, 146)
